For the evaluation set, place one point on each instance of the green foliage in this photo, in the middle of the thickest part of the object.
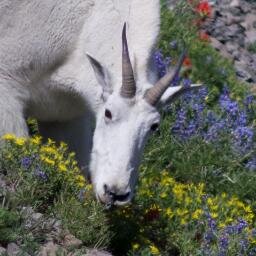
(46, 178)
(208, 66)
(252, 47)
(86, 221)
(9, 225)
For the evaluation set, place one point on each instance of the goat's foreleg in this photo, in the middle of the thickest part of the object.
(12, 118)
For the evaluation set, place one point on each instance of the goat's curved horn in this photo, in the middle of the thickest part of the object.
(153, 95)
(128, 89)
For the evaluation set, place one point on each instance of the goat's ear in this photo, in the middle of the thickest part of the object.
(175, 91)
(102, 75)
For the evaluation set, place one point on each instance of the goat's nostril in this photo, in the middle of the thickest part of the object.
(120, 198)
(105, 189)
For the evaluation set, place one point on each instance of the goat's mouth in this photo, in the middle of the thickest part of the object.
(114, 200)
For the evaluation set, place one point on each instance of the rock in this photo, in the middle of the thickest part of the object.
(249, 22)
(51, 249)
(96, 252)
(235, 3)
(245, 7)
(215, 43)
(231, 47)
(37, 216)
(235, 11)
(13, 249)
(231, 19)
(242, 73)
(71, 241)
(236, 55)
(2, 251)
(250, 37)
(232, 29)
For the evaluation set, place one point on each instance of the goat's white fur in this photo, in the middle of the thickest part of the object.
(45, 73)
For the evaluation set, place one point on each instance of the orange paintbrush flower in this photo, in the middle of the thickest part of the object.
(204, 9)
(187, 62)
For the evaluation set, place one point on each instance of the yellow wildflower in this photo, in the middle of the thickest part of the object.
(197, 214)
(167, 181)
(8, 136)
(135, 246)
(178, 191)
(36, 140)
(188, 200)
(183, 221)
(154, 250)
(63, 145)
(62, 167)
(49, 150)
(249, 217)
(169, 212)
(81, 184)
(163, 195)
(80, 178)
(221, 225)
(47, 160)
(89, 187)
(224, 195)
(214, 207)
(181, 212)
(248, 209)
(214, 215)
(20, 141)
(210, 201)
(229, 220)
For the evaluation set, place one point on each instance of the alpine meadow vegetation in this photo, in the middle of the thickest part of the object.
(196, 193)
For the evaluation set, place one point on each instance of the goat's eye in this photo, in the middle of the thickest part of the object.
(108, 114)
(154, 127)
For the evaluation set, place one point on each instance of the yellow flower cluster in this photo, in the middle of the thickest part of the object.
(182, 205)
(185, 202)
(53, 157)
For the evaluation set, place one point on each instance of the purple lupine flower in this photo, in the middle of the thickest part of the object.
(26, 162)
(243, 139)
(211, 222)
(40, 174)
(230, 230)
(211, 118)
(202, 92)
(214, 131)
(161, 63)
(243, 246)
(186, 82)
(223, 243)
(248, 101)
(190, 129)
(180, 122)
(242, 224)
(176, 80)
(242, 119)
(209, 237)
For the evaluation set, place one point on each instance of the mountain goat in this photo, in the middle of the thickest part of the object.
(105, 108)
